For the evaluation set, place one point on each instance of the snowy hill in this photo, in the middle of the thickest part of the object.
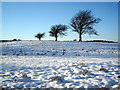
(63, 64)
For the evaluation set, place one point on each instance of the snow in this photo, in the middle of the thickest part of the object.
(62, 64)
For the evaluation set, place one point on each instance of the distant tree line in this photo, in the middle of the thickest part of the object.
(82, 23)
(10, 40)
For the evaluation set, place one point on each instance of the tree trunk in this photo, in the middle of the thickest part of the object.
(80, 36)
(55, 38)
(39, 39)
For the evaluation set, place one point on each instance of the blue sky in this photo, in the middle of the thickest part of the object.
(22, 20)
(59, 0)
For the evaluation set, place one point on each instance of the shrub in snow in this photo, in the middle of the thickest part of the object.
(17, 54)
(87, 51)
(118, 86)
(53, 54)
(4, 54)
(76, 54)
(85, 72)
(15, 80)
(1, 88)
(53, 51)
(48, 51)
(52, 48)
(57, 78)
(118, 76)
(21, 51)
(24, 76)
(83, 49)
(63, 52)
(103, 69)
(25, 54)
(43, 54)
(104, 88)
(82, 64)
(38, 53)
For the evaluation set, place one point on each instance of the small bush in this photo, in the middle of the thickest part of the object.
(118, 76)
(24, 76)
(82, 63)
(75, 40)
(19, 40)
(103, 69)
(85, 72)
(63, 52)
(57, 78)
(15, 80)
(14, 40)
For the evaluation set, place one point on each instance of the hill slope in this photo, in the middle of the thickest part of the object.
(28, 64)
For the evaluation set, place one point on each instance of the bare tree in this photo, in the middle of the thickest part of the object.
(40, 35)
(83, 23)
(57, 30)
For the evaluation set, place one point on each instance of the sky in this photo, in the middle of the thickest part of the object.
(59, 0)
(22, 20)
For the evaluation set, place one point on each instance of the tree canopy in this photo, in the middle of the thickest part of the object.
(40, 35)
(83, 23)
(57, 30)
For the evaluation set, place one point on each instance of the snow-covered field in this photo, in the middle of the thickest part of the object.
(50, 64)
